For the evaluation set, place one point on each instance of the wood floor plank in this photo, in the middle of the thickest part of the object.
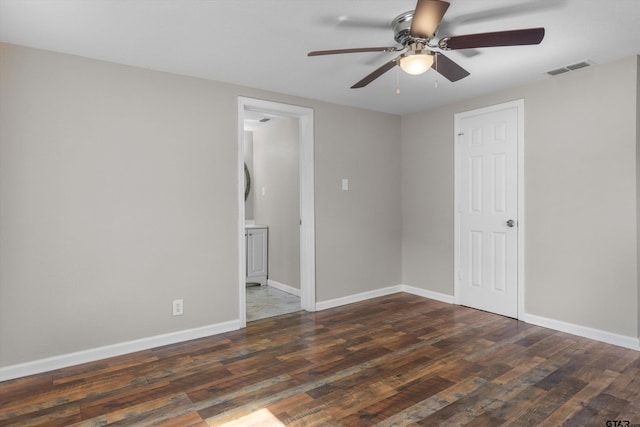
(151, 412)
(247, 399)
(513, 407)
(404, 398)
(60, 415)
(519, 370)
(290, 407)
(578, 400)
(541, 408)
(69, 392)
(15, 390)
(397, 360)
(105, 403)
(626, 385)
(86, 372)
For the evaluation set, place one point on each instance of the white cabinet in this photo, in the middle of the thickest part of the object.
(257, 244)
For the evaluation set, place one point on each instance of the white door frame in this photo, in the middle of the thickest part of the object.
(307, 216)
(519, 105)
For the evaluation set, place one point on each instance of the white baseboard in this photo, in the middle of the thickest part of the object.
(323, 305)
(284, 288)
(632, 343)
(91, 355)
(584, 331)
(449, 299)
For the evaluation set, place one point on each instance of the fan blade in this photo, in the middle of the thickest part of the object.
(504, 12)
(356, 50)
(427, 17)
(498, 38)
(376, 73)
(449, 69)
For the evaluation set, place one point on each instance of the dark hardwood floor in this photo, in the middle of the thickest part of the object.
(398, 360)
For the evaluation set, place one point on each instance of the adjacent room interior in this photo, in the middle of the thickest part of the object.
(272, 214)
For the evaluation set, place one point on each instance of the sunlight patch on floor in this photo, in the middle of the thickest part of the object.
(261, 418)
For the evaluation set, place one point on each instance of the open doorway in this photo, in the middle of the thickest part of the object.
(293, 126)
(272, 214)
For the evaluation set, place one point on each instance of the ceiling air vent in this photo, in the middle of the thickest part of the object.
(579, 65)
(568, 68)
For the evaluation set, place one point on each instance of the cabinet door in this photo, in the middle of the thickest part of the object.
(257, 245)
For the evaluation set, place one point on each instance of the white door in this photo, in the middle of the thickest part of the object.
(487, 203)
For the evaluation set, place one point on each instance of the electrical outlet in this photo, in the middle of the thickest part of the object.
(178, 307)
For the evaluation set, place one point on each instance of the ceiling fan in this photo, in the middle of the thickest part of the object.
(415, 31)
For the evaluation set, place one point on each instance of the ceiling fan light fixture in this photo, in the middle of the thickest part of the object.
(416, 60)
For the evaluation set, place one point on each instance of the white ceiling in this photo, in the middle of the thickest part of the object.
(263, 43)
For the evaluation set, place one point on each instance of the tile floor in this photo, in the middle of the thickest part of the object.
(266, 301)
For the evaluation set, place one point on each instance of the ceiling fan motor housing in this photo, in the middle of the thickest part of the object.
(401, 26)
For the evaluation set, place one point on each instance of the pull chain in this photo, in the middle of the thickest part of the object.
(397, 80)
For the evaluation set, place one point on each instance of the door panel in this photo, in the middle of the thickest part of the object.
(487, 194)
(257, 247)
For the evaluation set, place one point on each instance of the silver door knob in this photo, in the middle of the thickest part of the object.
(511, 223)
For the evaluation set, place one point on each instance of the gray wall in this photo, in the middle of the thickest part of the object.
(118, 193)
(276, 166)
(358, 232)
(581, 253)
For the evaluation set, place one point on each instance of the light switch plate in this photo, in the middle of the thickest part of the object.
(345, 184)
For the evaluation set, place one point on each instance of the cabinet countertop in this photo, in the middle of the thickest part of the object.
(252, 226)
